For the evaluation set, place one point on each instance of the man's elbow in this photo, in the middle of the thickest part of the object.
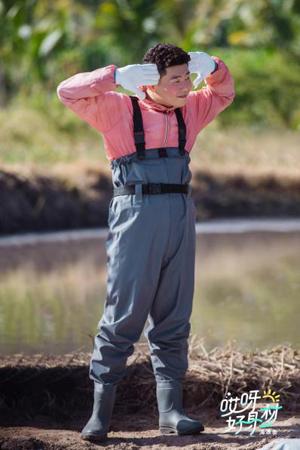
(58, 93)
(62, 94)
(231, 97)
(228, 98)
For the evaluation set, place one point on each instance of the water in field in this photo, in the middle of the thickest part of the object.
(247, 289)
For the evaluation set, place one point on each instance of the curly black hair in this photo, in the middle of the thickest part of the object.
(166, 55)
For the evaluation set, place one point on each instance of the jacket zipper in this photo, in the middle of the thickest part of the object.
(167, 127)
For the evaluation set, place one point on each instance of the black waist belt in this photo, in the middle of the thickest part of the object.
(153, 188)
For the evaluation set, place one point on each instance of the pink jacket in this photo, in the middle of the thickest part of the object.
(92, 96)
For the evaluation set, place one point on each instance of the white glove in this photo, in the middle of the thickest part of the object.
(202, 64)
(134, 75)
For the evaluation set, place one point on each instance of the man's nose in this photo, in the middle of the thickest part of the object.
(188, 84)
(186, 87)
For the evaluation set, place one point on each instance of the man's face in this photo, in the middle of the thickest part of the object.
(173, 87)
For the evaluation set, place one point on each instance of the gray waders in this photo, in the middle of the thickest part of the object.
(150, 275)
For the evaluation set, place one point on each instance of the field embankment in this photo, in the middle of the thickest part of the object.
(45, 400)
(79, 198)
(50, 180)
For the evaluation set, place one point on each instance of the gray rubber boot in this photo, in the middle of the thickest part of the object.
(97, 427)
(172, 418)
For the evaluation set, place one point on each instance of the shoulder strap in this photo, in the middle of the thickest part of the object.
(138, 128)
(181, 131)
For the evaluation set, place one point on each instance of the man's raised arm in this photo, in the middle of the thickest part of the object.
(212, 99)
(91, 96)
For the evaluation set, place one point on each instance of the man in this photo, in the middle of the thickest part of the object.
(151, 241)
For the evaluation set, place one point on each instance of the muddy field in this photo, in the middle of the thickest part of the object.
(46, 400)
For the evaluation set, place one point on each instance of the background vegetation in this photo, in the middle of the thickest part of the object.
(42, 43)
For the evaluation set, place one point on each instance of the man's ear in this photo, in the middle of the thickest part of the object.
(151, 87)
(145, 87)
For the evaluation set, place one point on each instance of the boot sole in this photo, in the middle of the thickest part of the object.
(170, 430)
(94, 437)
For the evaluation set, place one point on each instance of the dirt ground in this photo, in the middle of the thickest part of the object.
(137, 431)
(45, 401)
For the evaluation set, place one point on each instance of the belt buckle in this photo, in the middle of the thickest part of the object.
(154, 188)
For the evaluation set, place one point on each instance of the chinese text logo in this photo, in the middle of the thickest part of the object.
(251, 411)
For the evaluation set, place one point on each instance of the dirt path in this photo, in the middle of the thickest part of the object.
(136, 431)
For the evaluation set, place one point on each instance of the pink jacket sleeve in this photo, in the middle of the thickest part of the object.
(91, 96)
(218, 94)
